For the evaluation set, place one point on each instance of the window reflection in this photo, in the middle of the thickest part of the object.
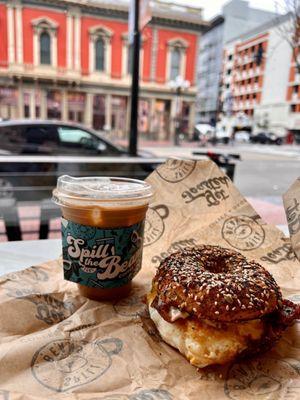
(98, 112)
(175, 63)
(54, 104)
(118, 116)
(45, 51)
(99, 54)
(76, 105)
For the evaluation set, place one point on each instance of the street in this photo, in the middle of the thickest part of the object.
(263, 172)
(262, 175)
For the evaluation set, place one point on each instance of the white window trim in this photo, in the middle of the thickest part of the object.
(125, 55)
(40, 25)
(106, 34)
(182, 46)
(10, 34)
(69, 43)
(19, 33)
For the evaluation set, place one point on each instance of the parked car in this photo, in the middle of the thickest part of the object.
(266, 138)
(242, 136)
(34, 153)
(54, 138)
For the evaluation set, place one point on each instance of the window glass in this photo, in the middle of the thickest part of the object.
(118, 114)
(144, 113)
(99, 54)
(76, 106)
(39, 134)
(8, 103)
(54, 104)
(39, 139)
(45, 51)
(98, 112)
(38, 96)
(26, 101)
(77, 141)
(11, 139)
(74, 135)
(175, 63)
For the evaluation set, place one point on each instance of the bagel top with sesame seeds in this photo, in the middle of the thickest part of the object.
(216, 284)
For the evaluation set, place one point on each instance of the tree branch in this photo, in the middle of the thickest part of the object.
(290, 29)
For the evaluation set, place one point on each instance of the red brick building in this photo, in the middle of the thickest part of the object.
(70, 60)
(243, 73)
(260, 80)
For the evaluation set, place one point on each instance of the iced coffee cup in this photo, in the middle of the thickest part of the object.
(102, 232)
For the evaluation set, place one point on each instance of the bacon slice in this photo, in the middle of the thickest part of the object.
(275, 324)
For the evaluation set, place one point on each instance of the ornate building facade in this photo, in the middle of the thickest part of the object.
(70, 60)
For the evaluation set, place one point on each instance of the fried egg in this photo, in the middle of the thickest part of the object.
(204, 343)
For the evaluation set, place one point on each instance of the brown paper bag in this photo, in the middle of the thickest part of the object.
(56, 344)
(291, 201)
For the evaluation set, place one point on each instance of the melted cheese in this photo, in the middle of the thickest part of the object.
(204, 344)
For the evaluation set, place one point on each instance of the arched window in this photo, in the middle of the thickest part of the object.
(45, 48)
(100, 50)
(175, 63)
(99, 54)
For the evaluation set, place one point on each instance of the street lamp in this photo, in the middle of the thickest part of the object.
(178, 85)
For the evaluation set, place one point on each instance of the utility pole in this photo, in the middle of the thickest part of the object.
(133, 134)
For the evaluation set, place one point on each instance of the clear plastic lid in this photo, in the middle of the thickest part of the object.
(96, 189)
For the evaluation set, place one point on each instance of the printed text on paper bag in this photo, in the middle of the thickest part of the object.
(214, 190)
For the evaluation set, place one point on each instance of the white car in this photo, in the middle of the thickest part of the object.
(242, 137)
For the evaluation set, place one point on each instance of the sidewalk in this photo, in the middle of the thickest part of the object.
(157, 144)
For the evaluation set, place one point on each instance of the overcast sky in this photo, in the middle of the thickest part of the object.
(213, 7)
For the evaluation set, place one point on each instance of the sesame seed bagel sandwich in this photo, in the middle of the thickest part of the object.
(215, 306)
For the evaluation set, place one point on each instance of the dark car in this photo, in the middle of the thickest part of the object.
(54, 138)
(266, 138)
(34, 153)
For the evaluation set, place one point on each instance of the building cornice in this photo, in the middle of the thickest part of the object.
(119, 11)
(76, 83)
